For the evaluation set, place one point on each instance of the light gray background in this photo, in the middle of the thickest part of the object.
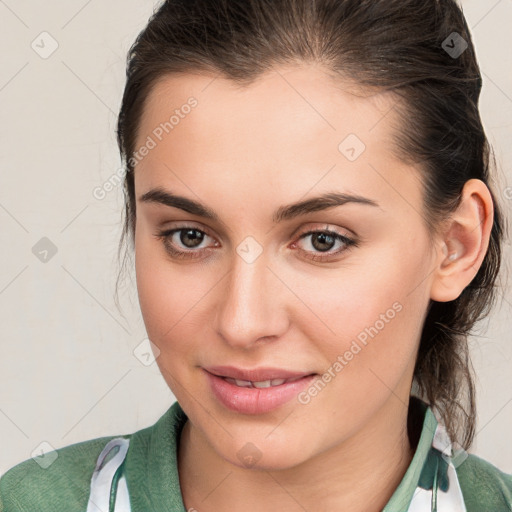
(67, 368)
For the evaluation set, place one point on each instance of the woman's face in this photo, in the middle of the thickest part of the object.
(247, 287)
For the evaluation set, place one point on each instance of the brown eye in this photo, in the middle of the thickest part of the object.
(322, 243)
(183, 242)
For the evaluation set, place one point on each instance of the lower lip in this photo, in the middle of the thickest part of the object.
(255, 400)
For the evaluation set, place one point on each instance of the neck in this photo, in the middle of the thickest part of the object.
(359, 475)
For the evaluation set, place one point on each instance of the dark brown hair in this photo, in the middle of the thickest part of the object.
(405, 46)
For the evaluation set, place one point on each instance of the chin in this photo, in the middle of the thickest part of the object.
(253, 457)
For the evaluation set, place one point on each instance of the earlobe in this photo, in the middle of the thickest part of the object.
(464, 242)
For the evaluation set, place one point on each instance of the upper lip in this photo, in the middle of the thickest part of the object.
(256, 374)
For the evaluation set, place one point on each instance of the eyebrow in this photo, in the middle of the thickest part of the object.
(287, 212)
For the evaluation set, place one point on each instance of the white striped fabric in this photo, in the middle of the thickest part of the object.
(102, 479)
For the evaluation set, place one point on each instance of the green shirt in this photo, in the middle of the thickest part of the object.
(149, 471)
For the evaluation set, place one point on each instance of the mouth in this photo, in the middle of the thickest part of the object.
(257, 377)
(256, 395)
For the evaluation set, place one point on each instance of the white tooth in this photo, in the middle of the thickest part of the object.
(262, 384)
(244, 383)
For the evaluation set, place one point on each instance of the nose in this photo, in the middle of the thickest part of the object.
(251, 308)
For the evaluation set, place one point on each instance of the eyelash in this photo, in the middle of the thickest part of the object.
(166, 235)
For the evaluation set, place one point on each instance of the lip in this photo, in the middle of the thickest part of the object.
(249, 400)
(256, 374)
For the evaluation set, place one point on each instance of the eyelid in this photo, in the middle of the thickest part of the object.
(323, 228)
(184, 224)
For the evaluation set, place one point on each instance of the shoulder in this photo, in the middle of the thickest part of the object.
(483, 485)
(59, 480)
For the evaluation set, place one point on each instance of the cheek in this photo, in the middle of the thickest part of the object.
(376, 323)
(161, 294)
(171, 299)
(372, 310)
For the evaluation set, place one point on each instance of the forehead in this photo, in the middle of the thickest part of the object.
(283, 96)
(286, 131)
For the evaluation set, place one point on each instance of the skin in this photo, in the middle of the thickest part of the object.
(244, 152)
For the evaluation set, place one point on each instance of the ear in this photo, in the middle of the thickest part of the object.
(462, 244)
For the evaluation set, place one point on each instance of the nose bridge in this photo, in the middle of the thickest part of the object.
(248, 308)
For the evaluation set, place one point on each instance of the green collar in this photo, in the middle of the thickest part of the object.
(402, 497)
(151, 465)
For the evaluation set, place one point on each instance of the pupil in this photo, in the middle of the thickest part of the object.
(189, 233)
(323, 237)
